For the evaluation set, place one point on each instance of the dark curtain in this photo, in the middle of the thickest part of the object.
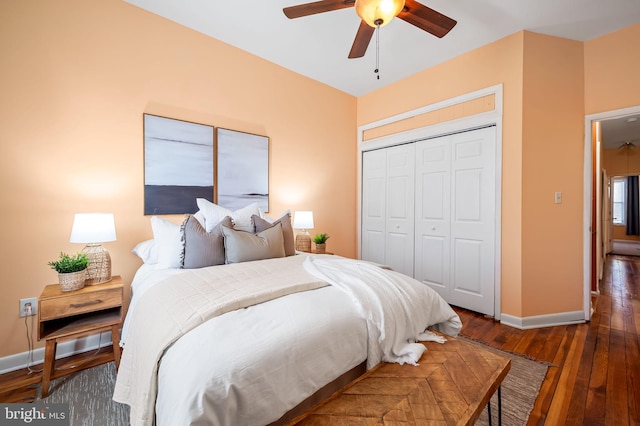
(633, 206)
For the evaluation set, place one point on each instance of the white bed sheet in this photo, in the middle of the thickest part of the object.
(250, 366)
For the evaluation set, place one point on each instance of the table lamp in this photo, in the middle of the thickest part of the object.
(94, 229)
(303, 220)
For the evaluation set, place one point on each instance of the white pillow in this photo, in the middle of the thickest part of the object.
(271, 220)
(200, 217)
(168, 241)
(147, 251)
(214, 213)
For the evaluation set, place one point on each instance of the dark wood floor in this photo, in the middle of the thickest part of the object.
(597, 378)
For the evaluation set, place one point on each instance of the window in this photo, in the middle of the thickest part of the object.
(619, 195)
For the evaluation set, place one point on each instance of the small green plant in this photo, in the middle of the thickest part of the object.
(67, 264)
(321, 238)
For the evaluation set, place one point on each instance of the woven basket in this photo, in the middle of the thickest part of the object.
(73, 280)
(321, 248)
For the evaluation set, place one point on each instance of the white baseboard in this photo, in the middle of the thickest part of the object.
(631, 248)
(539, 321)
(64, 349)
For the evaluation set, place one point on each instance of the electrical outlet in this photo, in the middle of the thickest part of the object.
(28, 306)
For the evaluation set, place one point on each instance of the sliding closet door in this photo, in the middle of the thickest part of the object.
(388, 185)
(455, 218)
(473, 217)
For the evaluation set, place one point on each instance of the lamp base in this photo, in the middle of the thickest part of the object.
(303, 243)
(99, 268)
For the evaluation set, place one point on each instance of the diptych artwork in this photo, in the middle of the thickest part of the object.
(180, 162)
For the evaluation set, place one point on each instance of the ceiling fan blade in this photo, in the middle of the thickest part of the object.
(362, 40)
(316, 7)
(426, 19)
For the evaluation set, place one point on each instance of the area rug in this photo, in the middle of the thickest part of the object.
(519, 389)
(88, 394)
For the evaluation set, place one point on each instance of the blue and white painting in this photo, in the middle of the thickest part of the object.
(243, 169)
(178, 165)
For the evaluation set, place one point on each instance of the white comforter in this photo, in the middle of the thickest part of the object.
(251, 365)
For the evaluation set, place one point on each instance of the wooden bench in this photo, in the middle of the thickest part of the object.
(452, 385)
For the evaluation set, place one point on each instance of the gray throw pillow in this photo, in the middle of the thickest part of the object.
(202, 248)
(241, 246)
(287, 231)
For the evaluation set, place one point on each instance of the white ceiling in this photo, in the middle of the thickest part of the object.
(317, 46)
(617, 131)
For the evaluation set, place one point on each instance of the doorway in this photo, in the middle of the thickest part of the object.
(594, 185)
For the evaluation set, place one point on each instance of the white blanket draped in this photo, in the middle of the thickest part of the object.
(397, 308)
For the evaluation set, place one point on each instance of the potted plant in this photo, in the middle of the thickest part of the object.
(72, 270)
(320, 241)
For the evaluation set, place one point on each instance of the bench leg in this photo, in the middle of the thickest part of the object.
(499, 407)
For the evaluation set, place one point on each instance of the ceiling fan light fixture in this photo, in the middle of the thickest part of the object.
(378, 12)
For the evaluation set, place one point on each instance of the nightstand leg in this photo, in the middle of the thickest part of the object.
(49, 365)
(115, 339)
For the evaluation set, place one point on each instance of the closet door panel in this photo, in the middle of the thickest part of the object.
(432, 249)
(400, 208)
(374, 164)
(467, 266)
(433, 269)
(473, 220)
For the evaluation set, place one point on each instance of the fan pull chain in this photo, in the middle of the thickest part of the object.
(377, 52)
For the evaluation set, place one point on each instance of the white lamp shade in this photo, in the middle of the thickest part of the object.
(303, 220)
(93, 228)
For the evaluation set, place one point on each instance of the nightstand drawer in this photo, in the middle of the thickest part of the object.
(74, 304)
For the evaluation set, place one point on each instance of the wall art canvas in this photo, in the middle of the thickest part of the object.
(242, 169)
(178, 165)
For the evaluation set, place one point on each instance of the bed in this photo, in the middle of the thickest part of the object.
(248, 341)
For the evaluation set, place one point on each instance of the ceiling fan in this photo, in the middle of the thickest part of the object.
(377, 13)
(627, 145)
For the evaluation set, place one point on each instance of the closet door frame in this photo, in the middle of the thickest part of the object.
(485, 119)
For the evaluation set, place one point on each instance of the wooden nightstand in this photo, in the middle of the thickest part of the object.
(71, 315)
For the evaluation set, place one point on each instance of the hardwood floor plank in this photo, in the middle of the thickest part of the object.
(551, 345)
(632, 359)
(559, 408)
(597, 389)
(542, 405)
(616, 391)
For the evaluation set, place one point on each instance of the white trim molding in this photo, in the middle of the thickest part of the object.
(64, 349)
(538, 321)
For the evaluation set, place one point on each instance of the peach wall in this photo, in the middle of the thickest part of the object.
(553, 160)
(77, 77)
(611, 69)
(499, 62)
